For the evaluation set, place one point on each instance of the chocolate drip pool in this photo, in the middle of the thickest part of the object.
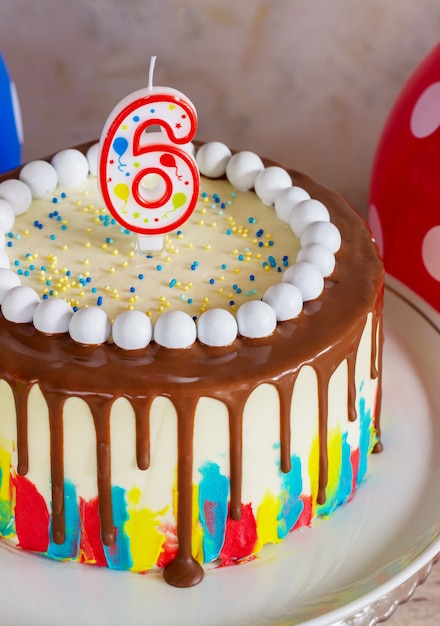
(322, 336)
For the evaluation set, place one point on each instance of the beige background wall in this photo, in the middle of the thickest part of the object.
(308, 83)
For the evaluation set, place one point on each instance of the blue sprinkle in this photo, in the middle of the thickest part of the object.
(32, 267)
(238, 290)
(252, 220)
(132, 289)
(240, 257)
(271, 243)
(43, 268)
(26, 272)
(52, 237)
(64, 227)
(10, 244)
(259, 232)
(94, 290)
(16, 263)
(211, 281)
(45, 296)
(63, 194)
(252, 277)
(204, 194)
(89, 279)
(75, 309)
(59, 218)
(140, 276)
(224, 266)
(20, 272)
(279, 269)
(234, 286)
(54, 200)
(159, 268)
(229, 231)
(260, 244)
(99, 301)
(190, 300)
(68, 272)
(272, 261)
(172, 282)
(136, 118)
(223, 205)
(231, 302)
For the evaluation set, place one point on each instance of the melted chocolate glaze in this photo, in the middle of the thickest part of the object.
(326, 333)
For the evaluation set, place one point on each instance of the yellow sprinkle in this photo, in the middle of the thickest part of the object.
(112, 270)
(208, 246)
(81, 293)
(190, 244)
(236, 270)
(130, 307)
(115, 252)
(124, 263)
(131, 253)
(88, 244)
(221, 290)
(266, 268)
(214, 224)
(201, 222)
(168, 259)
(180, 236)
(26, 232)
(205, 299)
(148, 313)
(221, 277)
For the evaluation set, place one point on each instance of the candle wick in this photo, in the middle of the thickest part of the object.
(151, 72)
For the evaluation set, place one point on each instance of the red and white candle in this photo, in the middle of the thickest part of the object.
(149, 182)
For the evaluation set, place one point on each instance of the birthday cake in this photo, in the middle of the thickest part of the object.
(169, 407)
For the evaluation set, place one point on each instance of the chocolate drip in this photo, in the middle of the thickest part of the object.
(322, 337)
(100, 409)
(21, 394)
(351, 381)
(285, 391)
(184, 571)
(142, 412)
(323, 382)
(56, 425)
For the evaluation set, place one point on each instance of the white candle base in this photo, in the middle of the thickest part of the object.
(149, 243)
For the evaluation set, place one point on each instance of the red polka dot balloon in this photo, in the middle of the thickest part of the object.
(404, 207)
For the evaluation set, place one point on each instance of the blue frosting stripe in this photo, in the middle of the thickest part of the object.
(292, 505)
(71, 546)
(213, 504)
(118, 555)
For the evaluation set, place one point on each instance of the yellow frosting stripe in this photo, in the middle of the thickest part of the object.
(267, 521)
(146, 539)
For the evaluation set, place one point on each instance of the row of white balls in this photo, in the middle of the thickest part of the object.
(131, 330)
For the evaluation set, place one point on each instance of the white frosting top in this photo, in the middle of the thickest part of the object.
(254, 314)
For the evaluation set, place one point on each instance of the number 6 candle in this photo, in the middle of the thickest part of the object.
(150, 184)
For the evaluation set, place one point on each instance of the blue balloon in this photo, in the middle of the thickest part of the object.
(120, 145)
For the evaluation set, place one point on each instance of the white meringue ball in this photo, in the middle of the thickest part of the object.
(256, 319)
(17, 193)
(325, 233)
(92, 159)
(175, 329)
(305, 212)
(286, 200)
(217, 327)
(52, 316)
(242, 169)
(19, 304)
(270, 182)
(285, 299)
(40, 177)
(7, 216)
(132, 330)
(307, 278)
(71, 166)
(90, 326)
(212, 159)
(4, 260)
(8, 280)
(318, 255)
